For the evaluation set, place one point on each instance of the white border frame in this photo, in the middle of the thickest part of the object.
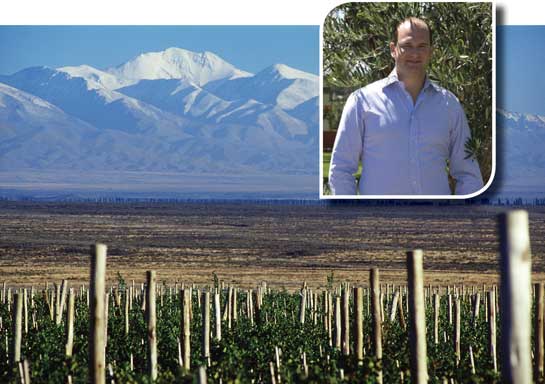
(408, 197)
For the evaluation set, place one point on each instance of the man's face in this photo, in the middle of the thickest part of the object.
(412, 52)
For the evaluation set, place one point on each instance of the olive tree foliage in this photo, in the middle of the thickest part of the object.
(356, 52)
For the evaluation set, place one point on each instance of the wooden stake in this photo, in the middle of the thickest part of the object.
(206, 326)
(329, 318)
(400, 308)
(476, 304)
(186, 327)
(202, 369)
(338, 327)
(62, 301)
(538, 332)
(515, 263)
(17, 328)
(393, 309)
(217, 312)
(25, 309)
(417, 316)
(70, 323)
(346, 321)
(302, 306)
(471, 360)
(492, 329)
(457, 329)
(127, 310)
(98, 275)
(358, 323)
(436, 314)
(151, 319)
(376, 319)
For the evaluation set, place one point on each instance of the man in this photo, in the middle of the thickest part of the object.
(404, 128)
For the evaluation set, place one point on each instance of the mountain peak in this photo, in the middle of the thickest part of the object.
(287, 72)
(177, 63)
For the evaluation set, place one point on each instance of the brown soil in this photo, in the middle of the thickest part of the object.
(247, 243)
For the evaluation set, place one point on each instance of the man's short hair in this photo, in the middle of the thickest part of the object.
(412, 20)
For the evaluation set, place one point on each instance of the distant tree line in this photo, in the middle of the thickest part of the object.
(514, 201)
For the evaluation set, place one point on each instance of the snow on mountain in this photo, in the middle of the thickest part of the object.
(36, 134)
(278, 84)
(521, 139)
(176, 63)
(100, 107)
(309, 112)
(171, 111)
(96, 79)
(192, 101)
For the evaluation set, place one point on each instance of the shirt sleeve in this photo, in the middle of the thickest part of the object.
(347, 149)
(464, 170)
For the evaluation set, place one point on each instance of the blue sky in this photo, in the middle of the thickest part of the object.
(520, 58)
(250, 48)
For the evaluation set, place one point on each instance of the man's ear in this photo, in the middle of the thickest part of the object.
(392, 49)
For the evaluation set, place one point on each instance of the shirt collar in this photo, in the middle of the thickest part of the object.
(392, 78)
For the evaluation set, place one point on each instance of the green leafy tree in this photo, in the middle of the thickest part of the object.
(356, 53)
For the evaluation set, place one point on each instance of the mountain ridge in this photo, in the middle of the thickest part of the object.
(156, 113)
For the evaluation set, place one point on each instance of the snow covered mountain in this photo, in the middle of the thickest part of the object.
(175, 111)
(521, 160)
(277, 84)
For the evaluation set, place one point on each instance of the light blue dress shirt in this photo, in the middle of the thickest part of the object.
(403, 146)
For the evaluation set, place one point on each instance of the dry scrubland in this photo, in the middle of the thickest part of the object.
(246, 244)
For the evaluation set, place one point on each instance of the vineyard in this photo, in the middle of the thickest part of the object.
(168, 332)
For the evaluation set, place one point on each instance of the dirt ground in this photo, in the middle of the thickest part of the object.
(246, 244)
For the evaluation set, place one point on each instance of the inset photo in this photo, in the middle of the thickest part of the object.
(408, 100)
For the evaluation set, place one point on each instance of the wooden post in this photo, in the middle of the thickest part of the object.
(273, 376)
(17, 328)
(346, 321)
(450, 308)
(217, 312)
(358, 323)
(457, 329)
(127, 308)
(476, 304)
(206, 325)
(186, 328)
(57, 313)
(106, 309)
(338, 329)
(26, 372)
(98, 276)
(250, 300)
(228, 303)
(515, 264)
(436, 313)
(25, 310)
(151, 319)
(234, 308)
(377, 317)
(70, 323)
(471, 360)
(202, 369)
(417, 316)
(62, 300)
(538, 332)
(400, 308)
(393, 309)
(302, 306)
(329, 318)
(492, 329)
